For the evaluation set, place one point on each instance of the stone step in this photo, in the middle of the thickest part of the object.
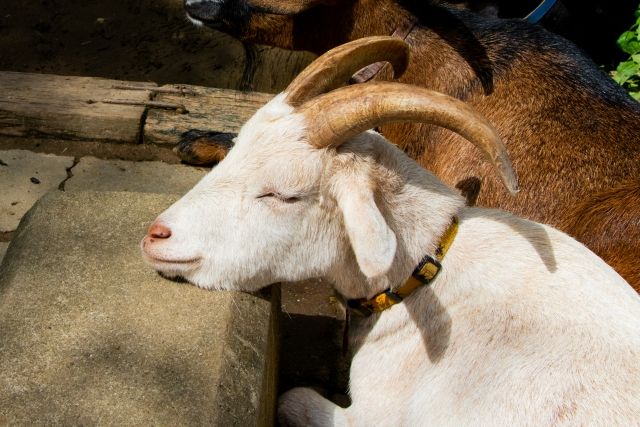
(26, 176)
(3, 250)
(91, 335)
(94, 174)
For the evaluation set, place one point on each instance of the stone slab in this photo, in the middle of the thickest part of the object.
(312, 297)
(24, 178)
(3, 250)
(90, 335)
(147, 177)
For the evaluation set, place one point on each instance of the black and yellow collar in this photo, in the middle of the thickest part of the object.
(425, 272)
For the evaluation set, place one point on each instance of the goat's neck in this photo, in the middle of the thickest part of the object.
(446, 55)
(419, 211)
(419, 217)
(381, 18)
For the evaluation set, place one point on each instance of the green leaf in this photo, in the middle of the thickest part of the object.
(626, 70)
(629, 43)
(627, 74)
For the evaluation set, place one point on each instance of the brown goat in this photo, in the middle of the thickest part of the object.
(594, 25)
(572, 133)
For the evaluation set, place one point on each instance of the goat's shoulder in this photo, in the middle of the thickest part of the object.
(521, 259)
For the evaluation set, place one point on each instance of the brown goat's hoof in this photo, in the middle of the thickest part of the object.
(199, 147)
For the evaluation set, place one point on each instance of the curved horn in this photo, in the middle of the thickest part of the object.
(334, 68)
(342, 114)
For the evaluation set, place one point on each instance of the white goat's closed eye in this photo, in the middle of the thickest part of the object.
(281, 197)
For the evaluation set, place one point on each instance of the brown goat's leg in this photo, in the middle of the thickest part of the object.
(199, 147)
(608, 224)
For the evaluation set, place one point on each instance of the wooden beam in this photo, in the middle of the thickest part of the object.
(70, 108)
(209, 109)
(83, 109)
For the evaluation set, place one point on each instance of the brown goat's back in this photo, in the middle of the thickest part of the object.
(571, 131)
(609, 224)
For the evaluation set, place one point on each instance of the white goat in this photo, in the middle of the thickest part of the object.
(522, 326)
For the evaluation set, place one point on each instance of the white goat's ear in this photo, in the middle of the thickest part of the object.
(373, 242)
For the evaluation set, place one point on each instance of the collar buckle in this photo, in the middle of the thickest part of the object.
(426, 271)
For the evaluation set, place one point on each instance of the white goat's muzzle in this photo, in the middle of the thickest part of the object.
(156, 249)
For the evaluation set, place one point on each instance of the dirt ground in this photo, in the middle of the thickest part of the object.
(151, 40)
(140, 40)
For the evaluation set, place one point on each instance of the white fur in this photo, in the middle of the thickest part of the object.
(523, 326)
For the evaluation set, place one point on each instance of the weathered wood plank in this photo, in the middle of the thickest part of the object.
(69, 108)
(92, 109)
(209, 109)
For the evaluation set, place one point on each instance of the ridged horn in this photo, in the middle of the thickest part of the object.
(334, 68)
(335, 117)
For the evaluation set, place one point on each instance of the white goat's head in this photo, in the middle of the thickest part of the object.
(300, 194)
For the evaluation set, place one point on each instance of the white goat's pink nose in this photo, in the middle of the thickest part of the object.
(159, 231)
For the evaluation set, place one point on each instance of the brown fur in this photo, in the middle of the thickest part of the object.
(611, 213)
(573, 136)
(204, 148)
